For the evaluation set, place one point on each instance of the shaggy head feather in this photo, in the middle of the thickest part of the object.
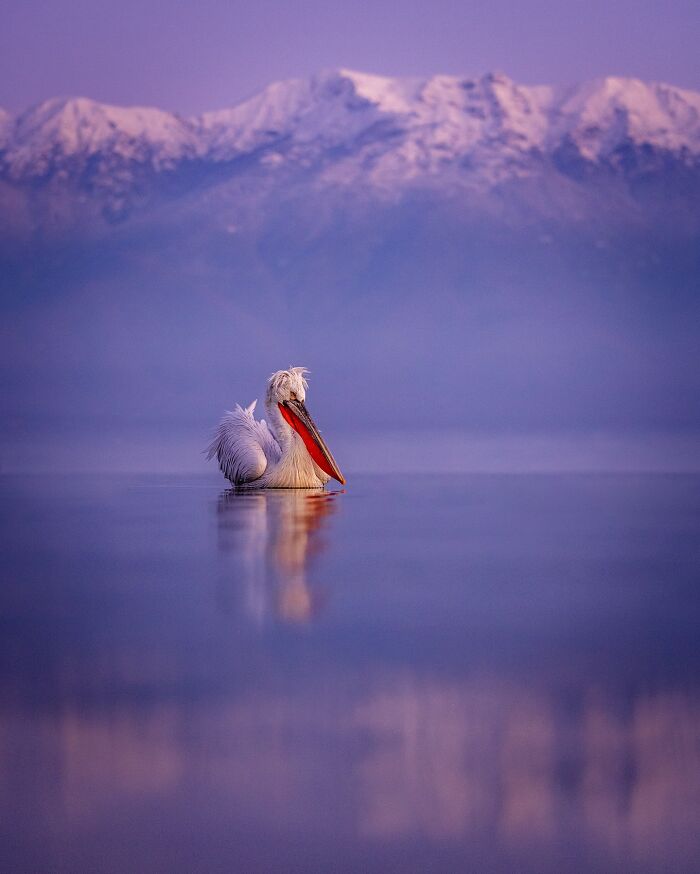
(286, 385)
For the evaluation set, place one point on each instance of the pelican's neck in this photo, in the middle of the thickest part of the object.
(281, 429)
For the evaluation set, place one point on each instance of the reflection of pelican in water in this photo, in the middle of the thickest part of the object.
(271, 537)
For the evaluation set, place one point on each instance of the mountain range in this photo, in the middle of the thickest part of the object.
(354, 132)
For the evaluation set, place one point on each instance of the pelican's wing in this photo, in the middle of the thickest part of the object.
(243, 446)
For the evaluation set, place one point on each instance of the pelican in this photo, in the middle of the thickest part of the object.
(287, 453)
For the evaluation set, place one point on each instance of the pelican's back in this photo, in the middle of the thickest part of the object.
(243, 446)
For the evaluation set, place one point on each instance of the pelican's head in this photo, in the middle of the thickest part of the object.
(287, 385)
(287, 389)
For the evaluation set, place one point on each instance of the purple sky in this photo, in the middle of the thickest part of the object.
(195, 56)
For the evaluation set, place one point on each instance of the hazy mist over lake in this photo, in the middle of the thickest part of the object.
(423, 334)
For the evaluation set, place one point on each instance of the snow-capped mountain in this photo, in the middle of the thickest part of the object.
(354, 127)
(59, 132)
(396, 129)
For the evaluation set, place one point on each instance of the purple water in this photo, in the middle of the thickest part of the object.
(474, 673)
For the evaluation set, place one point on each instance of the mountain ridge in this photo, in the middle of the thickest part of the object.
(612, 151)
(415, 125)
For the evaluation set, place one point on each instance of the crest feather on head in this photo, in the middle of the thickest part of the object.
(283, 382)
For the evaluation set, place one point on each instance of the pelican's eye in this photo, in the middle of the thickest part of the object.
(292, 395)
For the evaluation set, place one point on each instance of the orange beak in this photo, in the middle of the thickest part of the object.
(298, 417)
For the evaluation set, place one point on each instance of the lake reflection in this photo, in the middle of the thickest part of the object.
(270, 538)
(487, 674)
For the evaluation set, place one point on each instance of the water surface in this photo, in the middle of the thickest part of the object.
(474, 673)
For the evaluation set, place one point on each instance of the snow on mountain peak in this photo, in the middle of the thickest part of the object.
(389, 94)
(401, 125)
(80, 128)
(326, 108)
(598, 115)
(360, 126)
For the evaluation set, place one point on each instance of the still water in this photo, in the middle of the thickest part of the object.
(486, 673)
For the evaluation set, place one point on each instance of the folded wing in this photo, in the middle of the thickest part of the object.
(243, 446)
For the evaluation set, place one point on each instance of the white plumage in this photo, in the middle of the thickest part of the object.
(243, 445)
(289, 452)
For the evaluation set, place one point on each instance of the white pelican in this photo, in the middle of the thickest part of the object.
(289, 453)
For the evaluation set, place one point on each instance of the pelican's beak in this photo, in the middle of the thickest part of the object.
(296, 415)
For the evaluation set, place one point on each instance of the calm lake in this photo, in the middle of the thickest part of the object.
(476, 673)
